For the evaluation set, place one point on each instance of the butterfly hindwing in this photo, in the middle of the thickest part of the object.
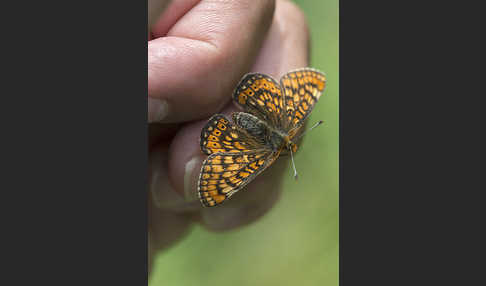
(223, 174)
(302, 89)
(260, 95)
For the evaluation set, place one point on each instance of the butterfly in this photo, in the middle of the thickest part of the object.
(273, 115)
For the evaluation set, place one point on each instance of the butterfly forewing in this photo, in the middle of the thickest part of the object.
(261, 96)
(302, 89)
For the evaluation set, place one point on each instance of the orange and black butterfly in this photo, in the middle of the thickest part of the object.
(274, 114)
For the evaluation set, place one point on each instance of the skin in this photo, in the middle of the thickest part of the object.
(197, 53)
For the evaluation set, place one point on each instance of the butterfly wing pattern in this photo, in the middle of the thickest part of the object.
(237, 155)
(223, 174)
(260, 95)
(302, 88)
(220, 135)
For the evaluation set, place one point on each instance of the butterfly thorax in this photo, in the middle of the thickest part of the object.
(277, 140)
(268, 136)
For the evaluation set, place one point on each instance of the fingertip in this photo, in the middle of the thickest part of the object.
(174, 11)
(201, 58)
(190, 77)
(185, 160)
(161, 191)
(191, 177)
(158, 109)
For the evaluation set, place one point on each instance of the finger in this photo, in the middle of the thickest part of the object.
(163, 195)
(192, 70)
(158, 133)
(175, 10)
(155, 8)
(288, 39)
(165, 228)
(287, 46)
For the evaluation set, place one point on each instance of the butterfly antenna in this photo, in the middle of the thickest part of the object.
(314, 126)
(292, 153)
(293, 164)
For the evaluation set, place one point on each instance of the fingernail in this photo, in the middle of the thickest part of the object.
(157, 109)
(163, 195)
(191, 176)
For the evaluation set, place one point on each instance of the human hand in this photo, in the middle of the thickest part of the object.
(197, 53)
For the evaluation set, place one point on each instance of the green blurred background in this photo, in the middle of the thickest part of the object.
(297, 242)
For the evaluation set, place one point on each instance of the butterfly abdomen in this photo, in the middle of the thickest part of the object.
(277, 140)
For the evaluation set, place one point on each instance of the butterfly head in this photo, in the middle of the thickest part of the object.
(291, 146)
